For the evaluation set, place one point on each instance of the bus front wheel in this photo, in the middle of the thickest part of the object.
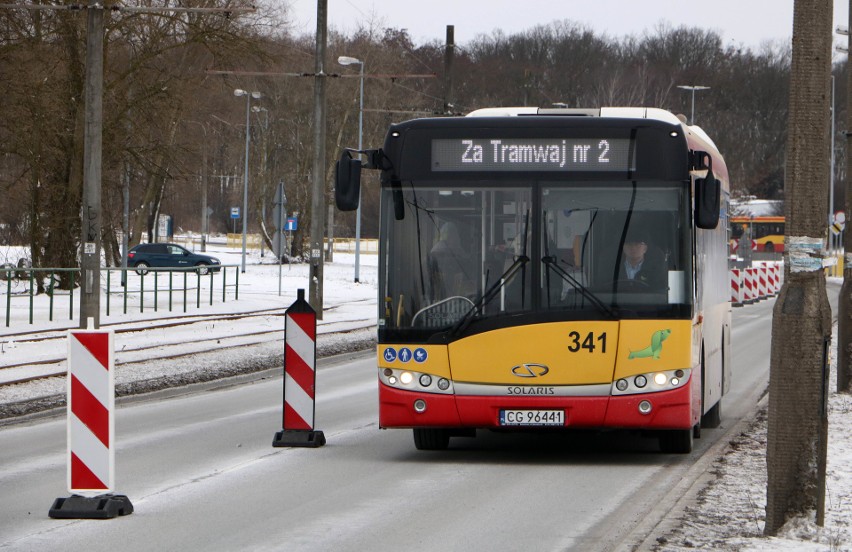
(431, 438)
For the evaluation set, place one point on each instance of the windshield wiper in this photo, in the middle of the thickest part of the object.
(551, 263)
(489, 294)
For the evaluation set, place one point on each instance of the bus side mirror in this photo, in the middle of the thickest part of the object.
(347, 182)
(708, 191)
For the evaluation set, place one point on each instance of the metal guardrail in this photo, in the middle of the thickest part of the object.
(10, 274)
(131, 286)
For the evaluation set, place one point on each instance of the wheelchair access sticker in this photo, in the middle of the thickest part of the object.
(404, 354)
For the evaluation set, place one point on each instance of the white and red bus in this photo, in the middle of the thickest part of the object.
(502, 299)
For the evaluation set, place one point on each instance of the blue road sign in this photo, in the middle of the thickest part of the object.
(235, 212)
(292, 224)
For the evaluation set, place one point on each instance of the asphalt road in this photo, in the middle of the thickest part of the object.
(202, 474)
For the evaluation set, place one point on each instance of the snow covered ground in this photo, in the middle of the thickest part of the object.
(727, 514)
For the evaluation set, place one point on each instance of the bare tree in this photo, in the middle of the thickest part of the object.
(156, 84)
(801, 324)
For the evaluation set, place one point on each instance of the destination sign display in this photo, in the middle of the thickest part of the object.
(532, 154)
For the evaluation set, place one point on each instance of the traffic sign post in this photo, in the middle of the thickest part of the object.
(838, 225)
(235, 214)
(300, 353)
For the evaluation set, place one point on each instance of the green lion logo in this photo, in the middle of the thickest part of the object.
(652, 350)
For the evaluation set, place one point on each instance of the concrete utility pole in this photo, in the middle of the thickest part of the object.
(801, 323)
(844, 310)
(318, 189)
(204, 230)
(449, 56)
(90, 258)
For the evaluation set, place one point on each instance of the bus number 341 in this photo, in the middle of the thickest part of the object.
(589, 342)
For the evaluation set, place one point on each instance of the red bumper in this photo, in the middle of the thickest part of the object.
(669, 410)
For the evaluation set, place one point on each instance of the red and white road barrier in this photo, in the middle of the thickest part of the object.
(770, 280)
(300, 353)
(751, 284)
(91, 429)
(779, 277)
(749, 294)
(736, 278)
(761, 281)
(91, 402)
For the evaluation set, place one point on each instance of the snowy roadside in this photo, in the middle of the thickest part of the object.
(729, 512)
(133, 379)
(347, 326)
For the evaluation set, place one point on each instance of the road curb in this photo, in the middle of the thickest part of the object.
(669, 512)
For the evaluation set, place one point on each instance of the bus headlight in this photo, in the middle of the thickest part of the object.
(404, 379)
(661, 381)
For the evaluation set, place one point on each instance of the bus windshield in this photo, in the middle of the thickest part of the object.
(467, 252)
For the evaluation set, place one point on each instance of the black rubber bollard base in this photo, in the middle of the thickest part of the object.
(298, 438)
(105, 506)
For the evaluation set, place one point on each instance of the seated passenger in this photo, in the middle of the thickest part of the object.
(449, 265)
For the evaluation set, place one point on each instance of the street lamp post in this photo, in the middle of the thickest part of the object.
(346, 60)
(693, 88)
(249, 95)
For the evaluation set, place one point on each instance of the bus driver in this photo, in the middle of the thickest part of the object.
(642, 263)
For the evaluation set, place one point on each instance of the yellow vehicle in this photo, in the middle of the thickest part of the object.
(767, 232)
(504, 299)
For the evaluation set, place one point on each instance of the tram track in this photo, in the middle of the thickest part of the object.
(227, 337)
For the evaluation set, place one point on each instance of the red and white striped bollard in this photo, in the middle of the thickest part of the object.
(91, 430)
(300, 353)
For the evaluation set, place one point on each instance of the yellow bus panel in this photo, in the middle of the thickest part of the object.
(559, 353)
(653, 345)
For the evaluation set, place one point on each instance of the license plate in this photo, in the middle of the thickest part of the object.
(532, 417)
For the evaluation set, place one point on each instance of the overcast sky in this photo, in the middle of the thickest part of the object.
(747, 22)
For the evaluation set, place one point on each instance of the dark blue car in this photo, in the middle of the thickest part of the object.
(169, 255)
